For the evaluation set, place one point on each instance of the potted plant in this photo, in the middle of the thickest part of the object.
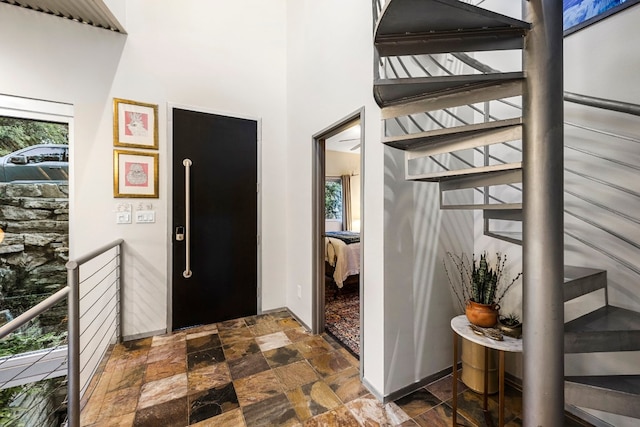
(510, 325)
(480, 287)
(477, 282)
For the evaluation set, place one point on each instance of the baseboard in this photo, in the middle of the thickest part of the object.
(404, 391)
(143, 335)
(513, 381)
(372, 390)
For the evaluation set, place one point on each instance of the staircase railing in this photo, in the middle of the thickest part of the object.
(391, 68)
(422, 99)
(94, 323)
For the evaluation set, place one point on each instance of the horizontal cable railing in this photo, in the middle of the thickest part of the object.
(45, 386)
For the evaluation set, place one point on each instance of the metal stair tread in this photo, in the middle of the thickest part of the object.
(494, 207)
(582, 280)
(608, 318)
(629, 384)
(390, 92)
(514, 237)
(606, 329)
(616, 394)
(465, 173)
(514, 214)
(443, 136)
(573, 272)
(444, 26)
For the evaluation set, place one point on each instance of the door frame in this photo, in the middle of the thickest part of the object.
(169, 179)
(318, 222)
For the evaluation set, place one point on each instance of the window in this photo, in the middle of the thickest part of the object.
(333, 198)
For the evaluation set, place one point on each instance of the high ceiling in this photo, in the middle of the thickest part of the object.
(347, 141)
(90, 12)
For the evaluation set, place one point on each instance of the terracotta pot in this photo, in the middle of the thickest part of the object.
(483, 315)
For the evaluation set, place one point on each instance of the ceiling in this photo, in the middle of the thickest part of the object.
(97, 14)
(347, 141)
(89, 12)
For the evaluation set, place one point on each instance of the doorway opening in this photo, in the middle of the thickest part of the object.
(338, 233)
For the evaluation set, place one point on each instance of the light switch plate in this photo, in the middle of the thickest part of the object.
(123, 217)
(145, 217)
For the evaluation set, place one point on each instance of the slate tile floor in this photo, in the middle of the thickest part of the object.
(261, 370)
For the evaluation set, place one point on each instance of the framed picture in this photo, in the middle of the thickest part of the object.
(135, 174)
(577, 14)
(135, 124)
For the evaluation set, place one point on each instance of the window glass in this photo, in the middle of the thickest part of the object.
(45, 154)
(333, 198)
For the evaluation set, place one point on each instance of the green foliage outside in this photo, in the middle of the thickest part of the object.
(333, 200)
(29, 339)
(20, 133)
(16, 134)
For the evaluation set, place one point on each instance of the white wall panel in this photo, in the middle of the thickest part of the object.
(209, 54)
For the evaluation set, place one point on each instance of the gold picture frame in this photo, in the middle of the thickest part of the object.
(135, 124)
(135, 174)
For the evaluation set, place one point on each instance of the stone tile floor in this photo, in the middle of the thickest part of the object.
(261, 370)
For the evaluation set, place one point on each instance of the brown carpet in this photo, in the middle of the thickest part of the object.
(342, 316)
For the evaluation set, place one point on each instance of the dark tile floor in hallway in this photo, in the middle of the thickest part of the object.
(261, 370)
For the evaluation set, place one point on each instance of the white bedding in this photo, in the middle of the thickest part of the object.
(344, 258)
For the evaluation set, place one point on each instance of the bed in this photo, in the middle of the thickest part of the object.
(342, 255)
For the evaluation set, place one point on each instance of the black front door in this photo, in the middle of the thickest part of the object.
(221, 283)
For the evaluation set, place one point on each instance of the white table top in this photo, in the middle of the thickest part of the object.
(460, 325)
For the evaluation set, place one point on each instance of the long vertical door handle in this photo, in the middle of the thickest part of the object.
(187, 220)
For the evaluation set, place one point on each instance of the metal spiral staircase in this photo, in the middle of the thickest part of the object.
(411, 29)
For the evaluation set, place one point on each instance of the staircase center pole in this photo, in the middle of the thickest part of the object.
(543, 238)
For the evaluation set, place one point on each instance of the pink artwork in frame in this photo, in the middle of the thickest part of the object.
(135, 174)
(135, 124)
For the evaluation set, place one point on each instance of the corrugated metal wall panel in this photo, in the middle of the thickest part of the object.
(90, 12)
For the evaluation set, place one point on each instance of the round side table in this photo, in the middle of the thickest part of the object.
(461, 328)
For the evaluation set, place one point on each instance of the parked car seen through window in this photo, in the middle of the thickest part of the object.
(43, 162)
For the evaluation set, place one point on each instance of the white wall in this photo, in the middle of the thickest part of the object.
(208, 54)
(407, 303)
(418, 301)
(603, 60)
(242, 57)
(330, 74)
(339, 163)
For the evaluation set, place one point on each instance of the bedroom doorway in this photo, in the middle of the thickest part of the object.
(338, 282)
